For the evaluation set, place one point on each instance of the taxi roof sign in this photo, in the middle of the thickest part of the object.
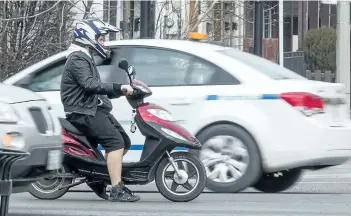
(197, 36)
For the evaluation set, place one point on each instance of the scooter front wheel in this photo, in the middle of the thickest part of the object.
(184, 185)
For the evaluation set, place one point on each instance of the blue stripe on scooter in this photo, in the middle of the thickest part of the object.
(141, 147)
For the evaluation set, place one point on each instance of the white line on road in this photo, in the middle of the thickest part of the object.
(332, 175)
(324, 182)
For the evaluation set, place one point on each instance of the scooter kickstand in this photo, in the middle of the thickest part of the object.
(171, 160)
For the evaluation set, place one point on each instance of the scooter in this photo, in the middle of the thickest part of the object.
(179, 175)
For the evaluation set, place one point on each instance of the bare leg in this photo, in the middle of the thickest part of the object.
(114, 165)
(118, 193)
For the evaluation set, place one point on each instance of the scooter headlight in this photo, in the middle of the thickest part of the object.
(162, 114)
(173, 134)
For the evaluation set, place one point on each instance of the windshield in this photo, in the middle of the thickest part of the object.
(268, 68)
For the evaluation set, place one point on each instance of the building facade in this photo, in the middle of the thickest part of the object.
(299, 17)
(229, 22)
(221, 20)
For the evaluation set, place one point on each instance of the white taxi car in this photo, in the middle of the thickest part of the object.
(260, 124)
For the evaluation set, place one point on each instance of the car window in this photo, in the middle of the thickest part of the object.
(157, 67)
(112, 73)
(49, 79)
(115, 74)
(205, 73)
(268, 68)
(201, 73)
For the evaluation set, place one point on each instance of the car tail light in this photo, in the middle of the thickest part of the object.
(308, 104)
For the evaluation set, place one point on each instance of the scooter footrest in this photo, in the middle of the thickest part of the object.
(5, 187)
(66, 175)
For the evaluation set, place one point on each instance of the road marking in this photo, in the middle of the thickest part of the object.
(332, 175)
(323, 182)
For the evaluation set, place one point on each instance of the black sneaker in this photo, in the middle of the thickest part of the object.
(99, 189)
(120, 193)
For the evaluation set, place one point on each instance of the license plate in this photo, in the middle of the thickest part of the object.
(54, 160)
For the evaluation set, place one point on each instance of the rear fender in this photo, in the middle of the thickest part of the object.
(74, 147)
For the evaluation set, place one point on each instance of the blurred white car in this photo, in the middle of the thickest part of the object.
(254, 118)
(28, 124)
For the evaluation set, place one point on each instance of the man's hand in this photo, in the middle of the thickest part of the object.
(127, 89)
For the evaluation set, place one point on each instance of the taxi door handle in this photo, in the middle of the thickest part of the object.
(181, 102)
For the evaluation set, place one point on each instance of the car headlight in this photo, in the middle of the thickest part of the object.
(162, 114)
(13, 140)
(7, 114)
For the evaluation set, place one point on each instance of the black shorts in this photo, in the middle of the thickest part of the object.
(102, 129)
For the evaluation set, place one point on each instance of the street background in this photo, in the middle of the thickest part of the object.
(304, 31)
(309, 43)
(325, 192)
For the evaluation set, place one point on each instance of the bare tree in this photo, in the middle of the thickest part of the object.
(223, 21)
(226, 22)
(31, 31)
(87, 8)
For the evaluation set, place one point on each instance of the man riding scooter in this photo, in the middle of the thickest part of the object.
(87, 104)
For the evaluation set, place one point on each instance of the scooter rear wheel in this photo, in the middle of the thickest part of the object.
(168, 181)
(49, 187)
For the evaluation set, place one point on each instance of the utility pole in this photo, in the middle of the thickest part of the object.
(258, 28)
(281, 33)
(343, 46)
(152, 23)
(144, 19)
(303, 25)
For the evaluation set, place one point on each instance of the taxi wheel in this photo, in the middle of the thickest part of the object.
(231, 158)
(278, 181)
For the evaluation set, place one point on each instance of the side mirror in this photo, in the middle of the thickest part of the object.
(131, 70)
(123, 64)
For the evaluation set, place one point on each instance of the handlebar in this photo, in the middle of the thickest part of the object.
(135, 91)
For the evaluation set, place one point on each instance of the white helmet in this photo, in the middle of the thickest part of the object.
(87, 33)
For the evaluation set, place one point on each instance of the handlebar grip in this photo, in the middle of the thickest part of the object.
(124, 91)
(135, 90)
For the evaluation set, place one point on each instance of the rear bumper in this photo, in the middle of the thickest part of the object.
(318, 146)
(296, 159)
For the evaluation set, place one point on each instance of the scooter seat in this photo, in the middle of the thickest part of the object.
(68, 126)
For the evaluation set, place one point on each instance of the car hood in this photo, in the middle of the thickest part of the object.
(12, 94)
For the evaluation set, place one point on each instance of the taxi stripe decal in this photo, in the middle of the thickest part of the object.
(141, 147)
(244, 97)
(138, 147)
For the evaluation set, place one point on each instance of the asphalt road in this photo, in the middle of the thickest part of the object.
(325, 192)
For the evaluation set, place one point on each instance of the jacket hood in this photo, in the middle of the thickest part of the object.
(75, 47)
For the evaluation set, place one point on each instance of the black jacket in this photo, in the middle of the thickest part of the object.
(81, 87)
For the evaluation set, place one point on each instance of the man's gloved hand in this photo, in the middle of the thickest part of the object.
(127, 89)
